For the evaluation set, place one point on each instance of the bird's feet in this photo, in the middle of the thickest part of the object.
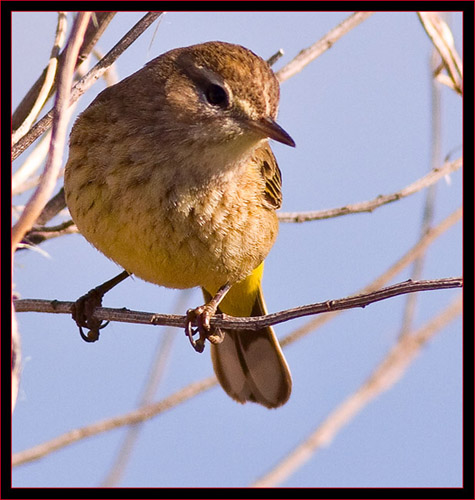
(83, 314)
(83, 309)
(200, 318)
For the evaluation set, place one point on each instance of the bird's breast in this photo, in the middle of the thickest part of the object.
(175, 230)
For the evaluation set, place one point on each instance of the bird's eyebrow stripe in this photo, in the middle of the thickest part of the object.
(246, 106)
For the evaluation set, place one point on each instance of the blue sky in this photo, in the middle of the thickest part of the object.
(361, 118)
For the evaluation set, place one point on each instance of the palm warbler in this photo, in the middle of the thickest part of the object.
(170, 175)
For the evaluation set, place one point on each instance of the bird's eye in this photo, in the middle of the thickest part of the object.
(217, 96)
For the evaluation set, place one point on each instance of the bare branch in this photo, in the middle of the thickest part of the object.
(275, 57)
(368, 206)
(430, 194)
(38, 234)
(130, 418)
(247, 323)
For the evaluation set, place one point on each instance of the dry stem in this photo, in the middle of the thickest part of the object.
(246, 323)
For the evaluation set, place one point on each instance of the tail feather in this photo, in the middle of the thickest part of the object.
(250, 365)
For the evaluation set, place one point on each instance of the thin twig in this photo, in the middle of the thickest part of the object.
(368, 206)
(130, 418)
(58, 136)
(40, 234)
(275, 57)
(246, 323)
(307, 55)
(386, 374)
(430, 194)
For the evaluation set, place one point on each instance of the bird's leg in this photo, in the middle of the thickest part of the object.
(201, 316)
(84, 307)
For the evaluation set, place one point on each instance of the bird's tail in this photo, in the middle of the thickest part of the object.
(250, 365)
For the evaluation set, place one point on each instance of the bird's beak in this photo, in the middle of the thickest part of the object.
(269, 128)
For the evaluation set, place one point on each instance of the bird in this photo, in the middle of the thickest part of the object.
(170, 174)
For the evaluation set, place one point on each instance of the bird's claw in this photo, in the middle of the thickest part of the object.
(83, 314)
(200, 317)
